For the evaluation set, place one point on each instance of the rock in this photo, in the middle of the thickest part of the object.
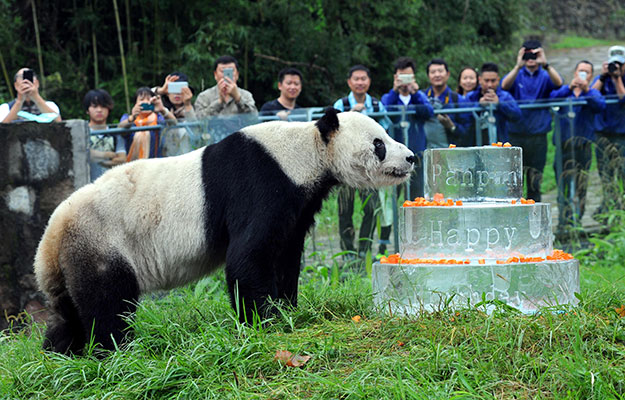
(42, 160)
(21, 199)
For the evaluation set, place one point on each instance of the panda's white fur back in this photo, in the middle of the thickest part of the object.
(295, 146)
(131, 209)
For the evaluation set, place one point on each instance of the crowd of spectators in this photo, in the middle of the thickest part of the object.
(531, 80)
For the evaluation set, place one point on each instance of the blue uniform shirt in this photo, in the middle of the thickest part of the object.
(612, 118)
(422, 111)
(384, 121)
(527, 88)
(506, 111)
(446, 100)
(584, 123)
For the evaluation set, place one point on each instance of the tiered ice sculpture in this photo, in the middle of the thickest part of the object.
(478, 245)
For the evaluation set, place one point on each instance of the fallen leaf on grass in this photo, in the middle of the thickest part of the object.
(621, 311)
(290, 359)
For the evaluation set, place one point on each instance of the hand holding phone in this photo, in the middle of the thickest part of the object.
(405, 79)
(229, 73)
(147, 107)
(176, 87)
(28, 75)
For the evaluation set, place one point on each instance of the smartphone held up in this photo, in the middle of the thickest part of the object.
(176, 87)
(229, 73)
(28, 75)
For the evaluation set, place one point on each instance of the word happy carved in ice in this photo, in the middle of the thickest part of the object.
(470, 238)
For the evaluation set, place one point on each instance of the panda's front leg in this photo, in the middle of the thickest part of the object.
(251, 279)
(288, 266)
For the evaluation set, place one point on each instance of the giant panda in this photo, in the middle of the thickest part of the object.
(246, 202)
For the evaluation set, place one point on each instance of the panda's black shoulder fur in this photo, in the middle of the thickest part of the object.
(250, 202)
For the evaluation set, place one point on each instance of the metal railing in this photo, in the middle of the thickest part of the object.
(213, 129)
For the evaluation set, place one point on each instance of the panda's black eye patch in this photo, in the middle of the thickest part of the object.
(379, 149)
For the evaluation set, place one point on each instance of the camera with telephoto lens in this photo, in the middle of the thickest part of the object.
(529, 55)
(613, 67)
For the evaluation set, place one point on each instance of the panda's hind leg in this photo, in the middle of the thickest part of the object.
(65, 333)
(105, 290)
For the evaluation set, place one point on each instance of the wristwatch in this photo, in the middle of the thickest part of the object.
(546, 67)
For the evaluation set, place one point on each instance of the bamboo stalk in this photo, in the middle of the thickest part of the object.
(6, 75)
(39, 55)
(121, 52)
(78, 37)
(128, 27)
(94, 45)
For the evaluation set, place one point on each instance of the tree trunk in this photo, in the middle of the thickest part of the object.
(6, 75)
(121, 52)
(39, 55)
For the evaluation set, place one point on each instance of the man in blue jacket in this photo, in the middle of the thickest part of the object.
(405, 94)
(505, 107)
(576, 145)
(610, 149)
(441, 130)
(530, 80)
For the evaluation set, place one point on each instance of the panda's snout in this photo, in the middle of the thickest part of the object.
(411, 159)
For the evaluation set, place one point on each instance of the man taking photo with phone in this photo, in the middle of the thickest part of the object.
(28, 99)
(225, 98)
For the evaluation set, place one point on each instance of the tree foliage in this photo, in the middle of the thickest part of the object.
(322, 38)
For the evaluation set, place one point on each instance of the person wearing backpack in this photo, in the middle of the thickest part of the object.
(441, 130)
(359, 100)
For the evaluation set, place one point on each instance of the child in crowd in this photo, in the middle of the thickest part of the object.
(106, 151)
(147, 111)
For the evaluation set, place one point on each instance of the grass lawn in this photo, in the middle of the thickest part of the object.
(571, 42)
(187, 345)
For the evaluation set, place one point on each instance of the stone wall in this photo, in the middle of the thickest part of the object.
(40, 166)
(601, 19)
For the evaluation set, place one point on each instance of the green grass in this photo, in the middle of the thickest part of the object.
(572, 42)
(188, 345)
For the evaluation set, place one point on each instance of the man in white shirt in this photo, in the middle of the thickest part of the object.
(28, 99)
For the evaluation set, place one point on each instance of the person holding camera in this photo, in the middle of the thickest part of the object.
(441, 130)
(532, 79)
(505, 107)
(358, 100)
(576, 145)
(225, 98)
(405, 94)
(28, 99)
(176, 95)
(147, 111)
(610, 148)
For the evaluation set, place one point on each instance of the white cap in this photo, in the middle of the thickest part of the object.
(616, 51)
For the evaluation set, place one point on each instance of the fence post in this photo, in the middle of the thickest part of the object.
(572, 189)
(491, 120)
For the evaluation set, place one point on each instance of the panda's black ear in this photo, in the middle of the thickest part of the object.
(328, 123)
